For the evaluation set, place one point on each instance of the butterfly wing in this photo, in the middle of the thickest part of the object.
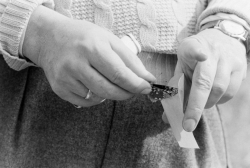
(160, 92)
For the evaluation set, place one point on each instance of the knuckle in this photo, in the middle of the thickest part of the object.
(219, 88)
(93, 45)
(196, 112)
(119, 76)
(203, 82)
(61, 77)
(58, 77)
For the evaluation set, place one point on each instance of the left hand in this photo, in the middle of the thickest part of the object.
(215, 64)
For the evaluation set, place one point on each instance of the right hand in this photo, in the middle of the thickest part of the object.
(78, 55)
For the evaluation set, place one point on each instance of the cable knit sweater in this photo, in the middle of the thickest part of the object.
(159, 25)
(38, 129)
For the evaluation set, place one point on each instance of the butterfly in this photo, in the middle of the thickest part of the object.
(160, 92)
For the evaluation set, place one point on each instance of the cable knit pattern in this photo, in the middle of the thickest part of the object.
(148, 29)
(153, 23)
(82, 10)
(166, 23)
(191, 16)
(103, 13)
(63, 7)
(126, 18)
(3, 5)
(158, 25)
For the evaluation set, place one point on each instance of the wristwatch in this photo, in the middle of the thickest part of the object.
(234, 30)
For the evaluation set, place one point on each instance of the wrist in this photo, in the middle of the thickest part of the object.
(231, 29)
(217, 37)
(43, 22)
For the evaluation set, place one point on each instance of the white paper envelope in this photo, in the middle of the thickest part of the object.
(173, 107)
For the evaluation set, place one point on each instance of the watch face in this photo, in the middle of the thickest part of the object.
(232, 28)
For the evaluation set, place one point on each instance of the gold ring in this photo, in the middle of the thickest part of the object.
(89, 94)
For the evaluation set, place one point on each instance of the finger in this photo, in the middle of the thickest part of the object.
(80, 101)
(108, 63)
(74, 98)
(76, 87)
(202, 81)
(235, 83)
(131, 60)
(79, 89)
(220, 84)
(100, 85)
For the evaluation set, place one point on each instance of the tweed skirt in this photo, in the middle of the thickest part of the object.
(40, 130)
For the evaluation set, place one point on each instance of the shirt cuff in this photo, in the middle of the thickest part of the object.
(13, 23)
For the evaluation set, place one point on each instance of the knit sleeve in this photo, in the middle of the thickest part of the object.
(236, 7)
(235, 10)
(14, 17)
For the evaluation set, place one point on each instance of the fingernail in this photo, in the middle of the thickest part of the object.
(189, 125)
(146, 91)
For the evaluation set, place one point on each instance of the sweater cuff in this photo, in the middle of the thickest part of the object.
(222, 16)
(13, 23)
(240, 9)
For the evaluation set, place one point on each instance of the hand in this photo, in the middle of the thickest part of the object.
(78, 55)
(215, 65)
